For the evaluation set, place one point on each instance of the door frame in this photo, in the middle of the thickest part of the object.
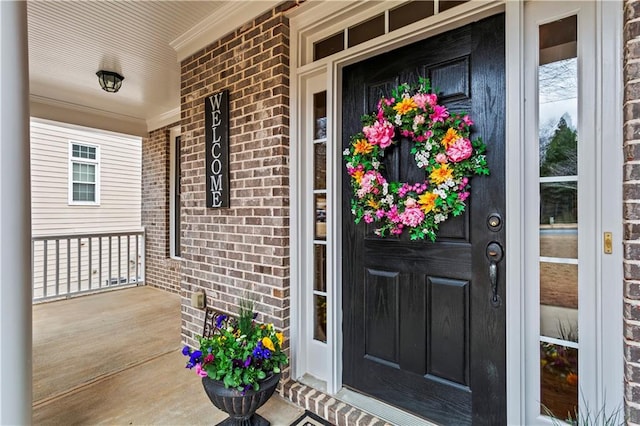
(316, 20)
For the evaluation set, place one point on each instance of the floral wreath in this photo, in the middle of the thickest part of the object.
(441, 147)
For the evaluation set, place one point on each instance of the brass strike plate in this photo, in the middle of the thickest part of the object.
(608, 243)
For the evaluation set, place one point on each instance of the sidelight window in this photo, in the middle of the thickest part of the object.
(559, 144)
(320, 219)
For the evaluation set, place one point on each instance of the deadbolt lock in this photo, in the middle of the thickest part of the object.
(494, 222)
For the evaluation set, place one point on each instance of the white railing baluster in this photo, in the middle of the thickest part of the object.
(74, 286)
(44, 268)
(57, 266)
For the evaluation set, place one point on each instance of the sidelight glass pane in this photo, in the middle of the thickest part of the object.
(320, 202)
(320, 267)
(559, 300)
(558, 381)
(558, 163)
(559, 204)
(320, 115)
(559, 240)
(320, 318)
(319, 165)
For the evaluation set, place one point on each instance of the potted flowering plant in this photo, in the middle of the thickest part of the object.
(239, 364)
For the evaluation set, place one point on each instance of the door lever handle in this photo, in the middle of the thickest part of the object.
(494, 254)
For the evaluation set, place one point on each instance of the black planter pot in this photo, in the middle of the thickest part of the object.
(241, 408)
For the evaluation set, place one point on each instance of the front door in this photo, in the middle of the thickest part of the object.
(420, 329)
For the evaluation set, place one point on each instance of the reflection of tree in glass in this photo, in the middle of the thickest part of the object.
(561, 155)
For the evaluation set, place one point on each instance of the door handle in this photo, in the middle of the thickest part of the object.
(494, 254)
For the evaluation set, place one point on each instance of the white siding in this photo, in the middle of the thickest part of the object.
(120, 184)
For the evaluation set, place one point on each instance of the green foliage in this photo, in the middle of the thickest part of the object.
(241, 352)
(561, 156)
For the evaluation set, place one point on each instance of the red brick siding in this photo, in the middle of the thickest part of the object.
(161, 271)
(241, 251)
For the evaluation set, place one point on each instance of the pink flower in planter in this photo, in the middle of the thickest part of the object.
(200, 372)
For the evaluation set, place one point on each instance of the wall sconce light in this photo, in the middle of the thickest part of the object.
(109, 81)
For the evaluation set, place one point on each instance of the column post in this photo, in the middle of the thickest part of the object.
(15, 218)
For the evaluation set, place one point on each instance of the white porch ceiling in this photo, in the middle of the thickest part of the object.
(69, 41)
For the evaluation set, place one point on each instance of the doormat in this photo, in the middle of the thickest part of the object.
(310, 419)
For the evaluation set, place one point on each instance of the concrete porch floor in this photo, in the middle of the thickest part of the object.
(114, 358)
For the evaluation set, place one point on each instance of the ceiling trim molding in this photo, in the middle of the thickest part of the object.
(164, 119)
(229, 17)
(67, 112)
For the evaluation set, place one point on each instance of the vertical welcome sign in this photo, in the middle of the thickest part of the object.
(217, 145)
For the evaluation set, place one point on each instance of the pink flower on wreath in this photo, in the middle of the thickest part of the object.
(460, 150)
(467, 120)
(439, 114)
(441, 158)
(423, 99)
(368, 218)
(418, 120)
(463, 183)
(463, 196)
(368, 182)
(381, 133)
(392, 214)
(410, 202)
(412, 216)
(380, 213)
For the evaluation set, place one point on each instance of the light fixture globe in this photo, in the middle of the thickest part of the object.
(109, 81)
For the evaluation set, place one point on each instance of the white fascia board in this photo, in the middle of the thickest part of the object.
(232, 15)
(164, 119)
(66, 112)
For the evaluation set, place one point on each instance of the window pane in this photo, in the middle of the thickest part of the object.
(558, 381)
(320, 115)
(83, 192)
(82, 151)
(320, 318)
(319, 165)
(559, 203)
(85, 173)
(328, 46)
(558, 118)
(559, 300)
(320, 202)
(320, 267)
(446, 5)
(558, 162)
(559, 240)
(409, 13)
(367, 30)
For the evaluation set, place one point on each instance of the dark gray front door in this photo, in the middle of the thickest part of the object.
(420, 331)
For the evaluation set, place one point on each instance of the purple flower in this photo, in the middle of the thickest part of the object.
(247, 362)
(219, 320)
(186, 351)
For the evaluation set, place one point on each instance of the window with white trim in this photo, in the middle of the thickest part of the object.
(84, 176)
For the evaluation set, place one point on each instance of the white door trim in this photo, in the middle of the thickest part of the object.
(609, 19)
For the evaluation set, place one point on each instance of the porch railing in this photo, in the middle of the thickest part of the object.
(67, 265)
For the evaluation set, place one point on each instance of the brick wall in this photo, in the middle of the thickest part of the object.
(161, 271)
(241, 251)
(631, 206)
